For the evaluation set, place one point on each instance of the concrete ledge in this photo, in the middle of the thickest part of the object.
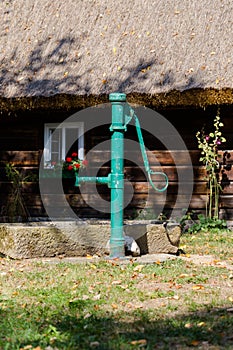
(31, 240)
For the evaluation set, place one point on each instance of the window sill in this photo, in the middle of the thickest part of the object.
(52, 173)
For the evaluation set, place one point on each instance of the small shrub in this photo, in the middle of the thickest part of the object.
(209, 145)
(193, 223)
(16, 207)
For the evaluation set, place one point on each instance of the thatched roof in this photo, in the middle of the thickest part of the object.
(163, 49)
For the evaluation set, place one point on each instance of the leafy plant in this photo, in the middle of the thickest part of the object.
(209, 145)
(193, 222)
(16, 205)
(187, 220)
(207, 224)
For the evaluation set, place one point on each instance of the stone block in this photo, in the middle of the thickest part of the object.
(31, 240)
(69, 239)
(155, 238)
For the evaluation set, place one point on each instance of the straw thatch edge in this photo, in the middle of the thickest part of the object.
(173, 99)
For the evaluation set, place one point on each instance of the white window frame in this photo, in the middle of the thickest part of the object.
(63, 126)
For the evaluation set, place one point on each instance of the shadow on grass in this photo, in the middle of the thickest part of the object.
(205, 329)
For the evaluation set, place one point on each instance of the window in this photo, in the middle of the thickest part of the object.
(62, 139)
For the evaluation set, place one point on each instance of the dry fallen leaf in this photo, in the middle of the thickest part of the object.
(195, 343)
(116, 282)
(198, 287)
(139, 342)
(89, 256)
(215, 261)
(188, 325)
(138, 268)
(183, 275)
(15, 293)
(94, 344)
(27, 347)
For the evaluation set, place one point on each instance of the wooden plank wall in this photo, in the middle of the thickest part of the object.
(21, 142)
(28, 161)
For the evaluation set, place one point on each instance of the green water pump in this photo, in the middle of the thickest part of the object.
(122, 114)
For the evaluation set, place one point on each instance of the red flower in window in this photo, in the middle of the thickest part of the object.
(74, 163)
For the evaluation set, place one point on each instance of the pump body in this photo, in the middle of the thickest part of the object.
(121, 116)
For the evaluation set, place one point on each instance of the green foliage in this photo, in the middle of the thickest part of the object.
(193, 223)
(16, 206)
(209, 146)
(207, 224)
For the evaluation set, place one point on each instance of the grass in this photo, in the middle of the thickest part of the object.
(176, 304)
(218, 244)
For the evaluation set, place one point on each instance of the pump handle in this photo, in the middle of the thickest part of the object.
(143, 151)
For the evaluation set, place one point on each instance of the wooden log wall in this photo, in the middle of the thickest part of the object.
(28, 161)
(21, 143)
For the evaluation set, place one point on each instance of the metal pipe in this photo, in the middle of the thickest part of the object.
(100, 180)
(117, 242)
